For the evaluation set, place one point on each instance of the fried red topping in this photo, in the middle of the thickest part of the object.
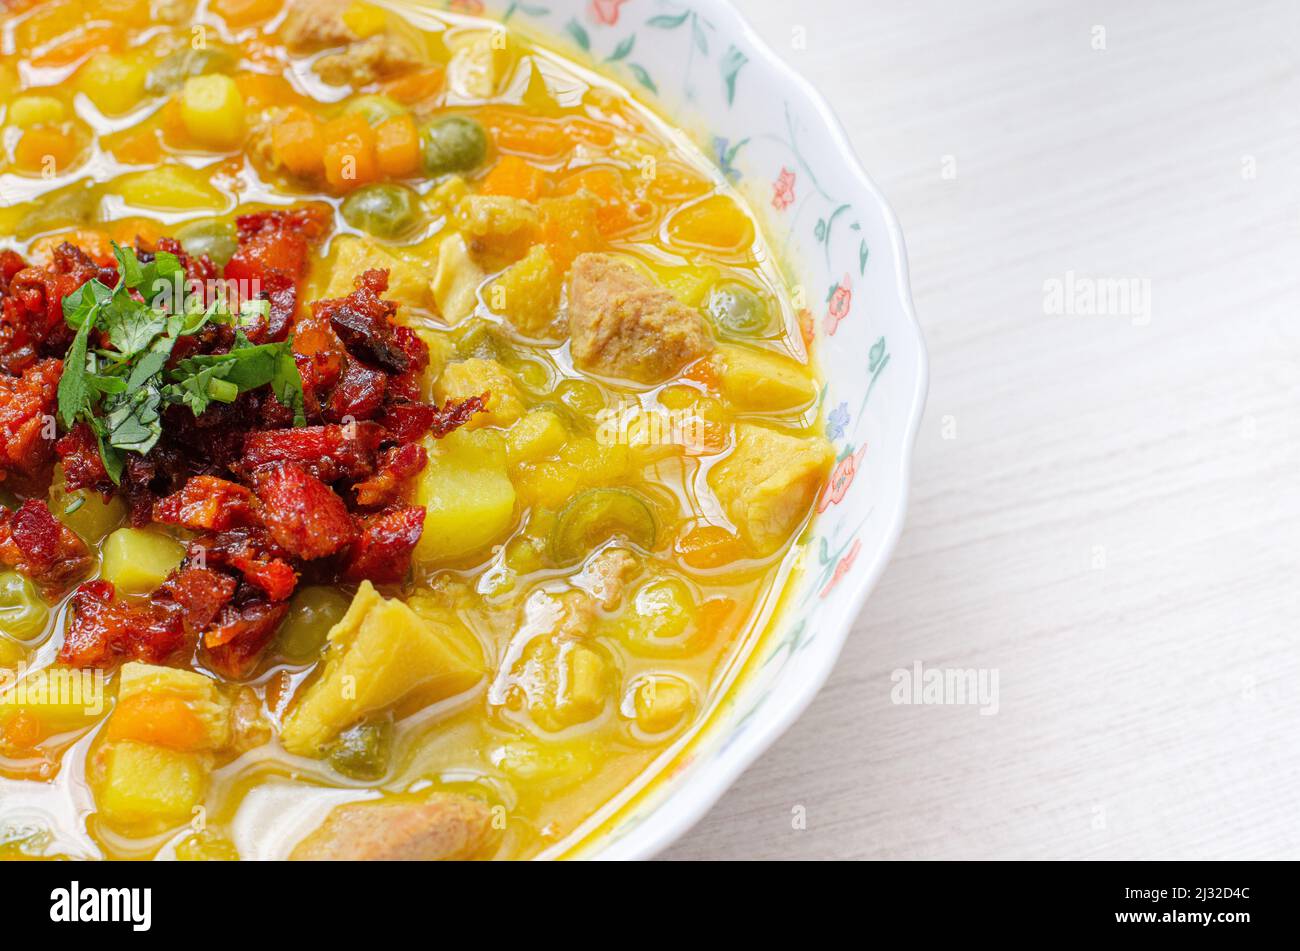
(35, 543)
(270, 503)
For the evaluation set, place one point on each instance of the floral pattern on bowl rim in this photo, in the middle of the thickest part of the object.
(831, 228)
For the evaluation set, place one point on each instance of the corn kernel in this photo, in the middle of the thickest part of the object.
(660, 702)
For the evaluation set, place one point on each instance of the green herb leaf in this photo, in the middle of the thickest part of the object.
(74, 391)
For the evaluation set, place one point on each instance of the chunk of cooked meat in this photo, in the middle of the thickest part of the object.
(769, 482)
(272, 258)
(382, 551)
(397, 465)
(367, 61)
(27, 404)
(446, 826)
(38, 545)
(622, 324)
(606, 575)
(207, 503)
(304, 516)
(316, 24)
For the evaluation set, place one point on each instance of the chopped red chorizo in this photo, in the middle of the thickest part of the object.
(35, 543)
(330, 453)
(364, 322)
(304, 515)
(83, 467)
(252, 553)
(207, 503)
(199, 593)
(104, 631)
(396, 466)
(382, 551)
(27, 404)
(359, 395)
(234, 644)
(31, 314)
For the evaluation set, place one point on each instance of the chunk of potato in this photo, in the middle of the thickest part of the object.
(764, 382)
(474, 377)
(212, 109)
(379, 654)
(406, 283)
(61, 699)
(137, 560)
(537, 435)
(659, 702)
(498, 228)
(142, 784)
(769, 482)
(171, 188)
(114, 83)
(27, 111)
(528, 293)
(165, 706)
(468, 499)
(566, 682)
(456, 279)
(478, 64)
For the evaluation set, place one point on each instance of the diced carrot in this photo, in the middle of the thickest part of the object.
(126, 230)
(397, 146)
(709, 546)
(44, 147)
(716, 223)
(160, 719)
(243, 12)
(140, 146)
(87, 40)
(349, 152)
(673, 181)
(296, 143)
(94, 243)
(23, 731)
(172, 122)
(514, 177)
(415, 88)
(260, 90)
(569, 228)
(706, 373)
(580, 129)
(718, 619)
(616, 210)
(530, 135)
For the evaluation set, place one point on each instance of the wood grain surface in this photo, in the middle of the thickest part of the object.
(1106, 508)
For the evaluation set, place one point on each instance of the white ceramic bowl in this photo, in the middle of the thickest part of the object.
(775, 137)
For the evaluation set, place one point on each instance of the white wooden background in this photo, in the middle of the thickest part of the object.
(1115, 525)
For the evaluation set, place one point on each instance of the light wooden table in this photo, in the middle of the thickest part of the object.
(1115, 525)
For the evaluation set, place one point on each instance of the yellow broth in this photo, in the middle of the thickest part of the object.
(75, 76)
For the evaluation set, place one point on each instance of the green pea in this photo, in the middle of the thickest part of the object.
(386, 211)
(362, 751)
(312, 612)
(209, 236)
(738, 310)
(375, 108)
(481, 338)
(172, 71)
(453, 144)
(597, 515)
(77, 204)
(23, 615)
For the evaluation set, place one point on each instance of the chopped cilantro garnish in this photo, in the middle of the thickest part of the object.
(122, 392)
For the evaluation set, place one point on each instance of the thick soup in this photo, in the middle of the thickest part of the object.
(403, 435)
